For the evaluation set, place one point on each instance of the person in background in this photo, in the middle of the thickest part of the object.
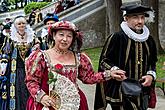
(52, 74)
(1, 35)
(32, 16)
(58, 7)
(16, 47)
(1, 26)
(70, 3)
(7, 21)
(133, 50)
(6, 30)
(49, 19)
(38, 17)
(77, 1)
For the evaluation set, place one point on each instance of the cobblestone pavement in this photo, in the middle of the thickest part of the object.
(89, 91)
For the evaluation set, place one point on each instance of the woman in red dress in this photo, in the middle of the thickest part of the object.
(52, 74)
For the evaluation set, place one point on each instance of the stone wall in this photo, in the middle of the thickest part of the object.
(48, 9)
(11, 15)
(162, 23)
(90, 17)
(94, 29)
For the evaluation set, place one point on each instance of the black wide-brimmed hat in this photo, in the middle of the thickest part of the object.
(129, 9)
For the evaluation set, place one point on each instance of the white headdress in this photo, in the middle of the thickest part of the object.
(29, 31)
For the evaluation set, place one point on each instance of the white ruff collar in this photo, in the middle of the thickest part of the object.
(28, 30)
(44, 33)
(132, 35)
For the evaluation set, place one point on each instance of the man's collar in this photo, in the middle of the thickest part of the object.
(135, 36)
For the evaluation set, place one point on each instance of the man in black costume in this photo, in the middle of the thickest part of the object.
(133, 50)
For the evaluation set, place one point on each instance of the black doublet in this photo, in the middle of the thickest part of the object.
(121, 51)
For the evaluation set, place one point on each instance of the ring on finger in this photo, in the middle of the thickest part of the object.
(49, 101)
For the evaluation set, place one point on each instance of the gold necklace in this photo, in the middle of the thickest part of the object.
(60, 51)
(22, 35)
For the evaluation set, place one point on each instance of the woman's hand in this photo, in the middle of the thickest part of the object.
(47, 101)
(119, 75)
(36, 47)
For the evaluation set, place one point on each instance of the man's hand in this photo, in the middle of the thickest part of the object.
(119, 75)
(147, 80)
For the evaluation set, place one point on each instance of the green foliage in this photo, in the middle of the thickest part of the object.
(13, 1)
(160, 72)
(34, 5)
(94, 55)
(52, 78)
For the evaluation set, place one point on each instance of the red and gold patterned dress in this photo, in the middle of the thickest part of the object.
(37, 70)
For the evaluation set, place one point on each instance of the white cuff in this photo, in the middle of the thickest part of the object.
(153, 73)
(39, 95)
(114, 68)
(107, 74)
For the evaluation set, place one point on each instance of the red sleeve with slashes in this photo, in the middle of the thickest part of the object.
(34, 67)
(86, 73)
